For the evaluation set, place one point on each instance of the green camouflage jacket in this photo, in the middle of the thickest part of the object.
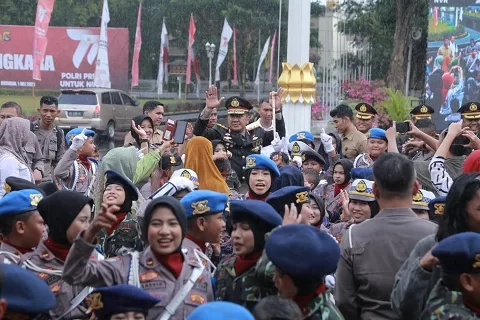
(246, 289)
(443, 304)
(322, 308)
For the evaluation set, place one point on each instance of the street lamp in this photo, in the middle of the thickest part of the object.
(210, 47)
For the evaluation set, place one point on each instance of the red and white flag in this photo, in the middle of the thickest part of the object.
(136, 48)
(163, 60)
(44, 13)
(102, 68)
(190, 56)
(223, 47)
(235, 81)
(272, 52)
(196, 70)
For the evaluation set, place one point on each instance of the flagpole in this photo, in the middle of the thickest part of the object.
(279, 39)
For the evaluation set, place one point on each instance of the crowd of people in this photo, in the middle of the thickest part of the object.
(241, 220)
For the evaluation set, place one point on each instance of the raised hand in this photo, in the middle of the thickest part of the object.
(105, 219)
(212, 100)
(139, 130)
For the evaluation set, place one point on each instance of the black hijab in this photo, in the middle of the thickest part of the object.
(138, 121)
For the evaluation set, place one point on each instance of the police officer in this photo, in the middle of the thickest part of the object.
(420, 203)
(303, 136)
(21, 225)
(205, 222)
(364, 118)
(121, 302)
(421, 112)
(239, 141)
(457, 295)
(23, 295)
(220, 310)
(470, 113)
(294, 250)
(50, 137)
(437, 208)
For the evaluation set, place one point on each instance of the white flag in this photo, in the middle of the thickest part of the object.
(262, 57)
(102, 70)
(227, 33)
(162, 64)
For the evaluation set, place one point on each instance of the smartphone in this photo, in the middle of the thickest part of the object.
(169, 131)
(180, 131)
(403, 127)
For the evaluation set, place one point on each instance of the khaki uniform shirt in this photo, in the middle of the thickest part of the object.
(5, 257)
(371, 254)
(64, 293)
(34, 153)
(52, 149)
(67, 176)
(154, 277)
(353, 144)
(156, 139)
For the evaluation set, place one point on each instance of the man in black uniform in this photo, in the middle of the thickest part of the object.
(239, 141)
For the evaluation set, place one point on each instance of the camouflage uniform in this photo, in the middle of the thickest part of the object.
(246, 289)
(322, 308)
(444, 304)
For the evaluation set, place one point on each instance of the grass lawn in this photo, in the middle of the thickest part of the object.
(30, 104)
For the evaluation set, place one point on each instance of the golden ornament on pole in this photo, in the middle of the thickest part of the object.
(298, 82)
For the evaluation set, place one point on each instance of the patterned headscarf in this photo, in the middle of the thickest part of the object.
(14, 136)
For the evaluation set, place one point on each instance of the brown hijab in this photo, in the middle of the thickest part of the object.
(199, 158)
(14, 136)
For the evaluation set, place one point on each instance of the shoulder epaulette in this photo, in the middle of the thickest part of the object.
(221, 126)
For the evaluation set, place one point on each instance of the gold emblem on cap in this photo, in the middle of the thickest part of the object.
(251, 162)
(363, 108)
(361, 186)
(7, 188)
(71, 136)
(418, 196)
(302, 197)
(473, 107)
(186, 174)
(301, 135)
(35, 199)
(296, 147)
(476, 264)
(95, 300)
(172, 159)
(439, 208)
(424, 109)
(304, 157)
(227, 208)
(234, 103)
(200, 207)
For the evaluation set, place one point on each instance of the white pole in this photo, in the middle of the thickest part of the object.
(210, 70)
(407, 80)
(279, 39)
(179, 78)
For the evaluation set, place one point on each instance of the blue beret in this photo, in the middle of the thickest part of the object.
(119, 299)
(258, 161)
(111, 177)
(302, 135)
(72, 133)
(288, 195)
(24, 291)
(18, 202)
(377, 133)
(312, 155)
(437, 206)
(204, 202)
(220, 310)
(302, 251)
(255, 208)
(459, 253)
(361, 173)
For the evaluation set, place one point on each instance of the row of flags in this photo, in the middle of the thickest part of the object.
(102, 71)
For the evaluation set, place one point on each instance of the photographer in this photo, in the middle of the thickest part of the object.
(456, 142)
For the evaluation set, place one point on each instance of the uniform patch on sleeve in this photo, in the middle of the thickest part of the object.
(197, 298)
(149, 276)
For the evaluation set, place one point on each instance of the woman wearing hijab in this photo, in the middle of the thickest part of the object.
(359, 204)
(289, 176)
(122, 237)
(261, 174)
(67, 213)
(162, 269)
(237, 279)
(142, 132)
(199, 158)
(333, 195)
(14, 137)
(317, 217)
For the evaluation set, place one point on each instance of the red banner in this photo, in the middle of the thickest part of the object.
(136, 48)
(69, 61)
(44, 13)
(190, 56)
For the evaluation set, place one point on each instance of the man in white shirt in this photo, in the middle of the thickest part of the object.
(266, 113)
(453, 46)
